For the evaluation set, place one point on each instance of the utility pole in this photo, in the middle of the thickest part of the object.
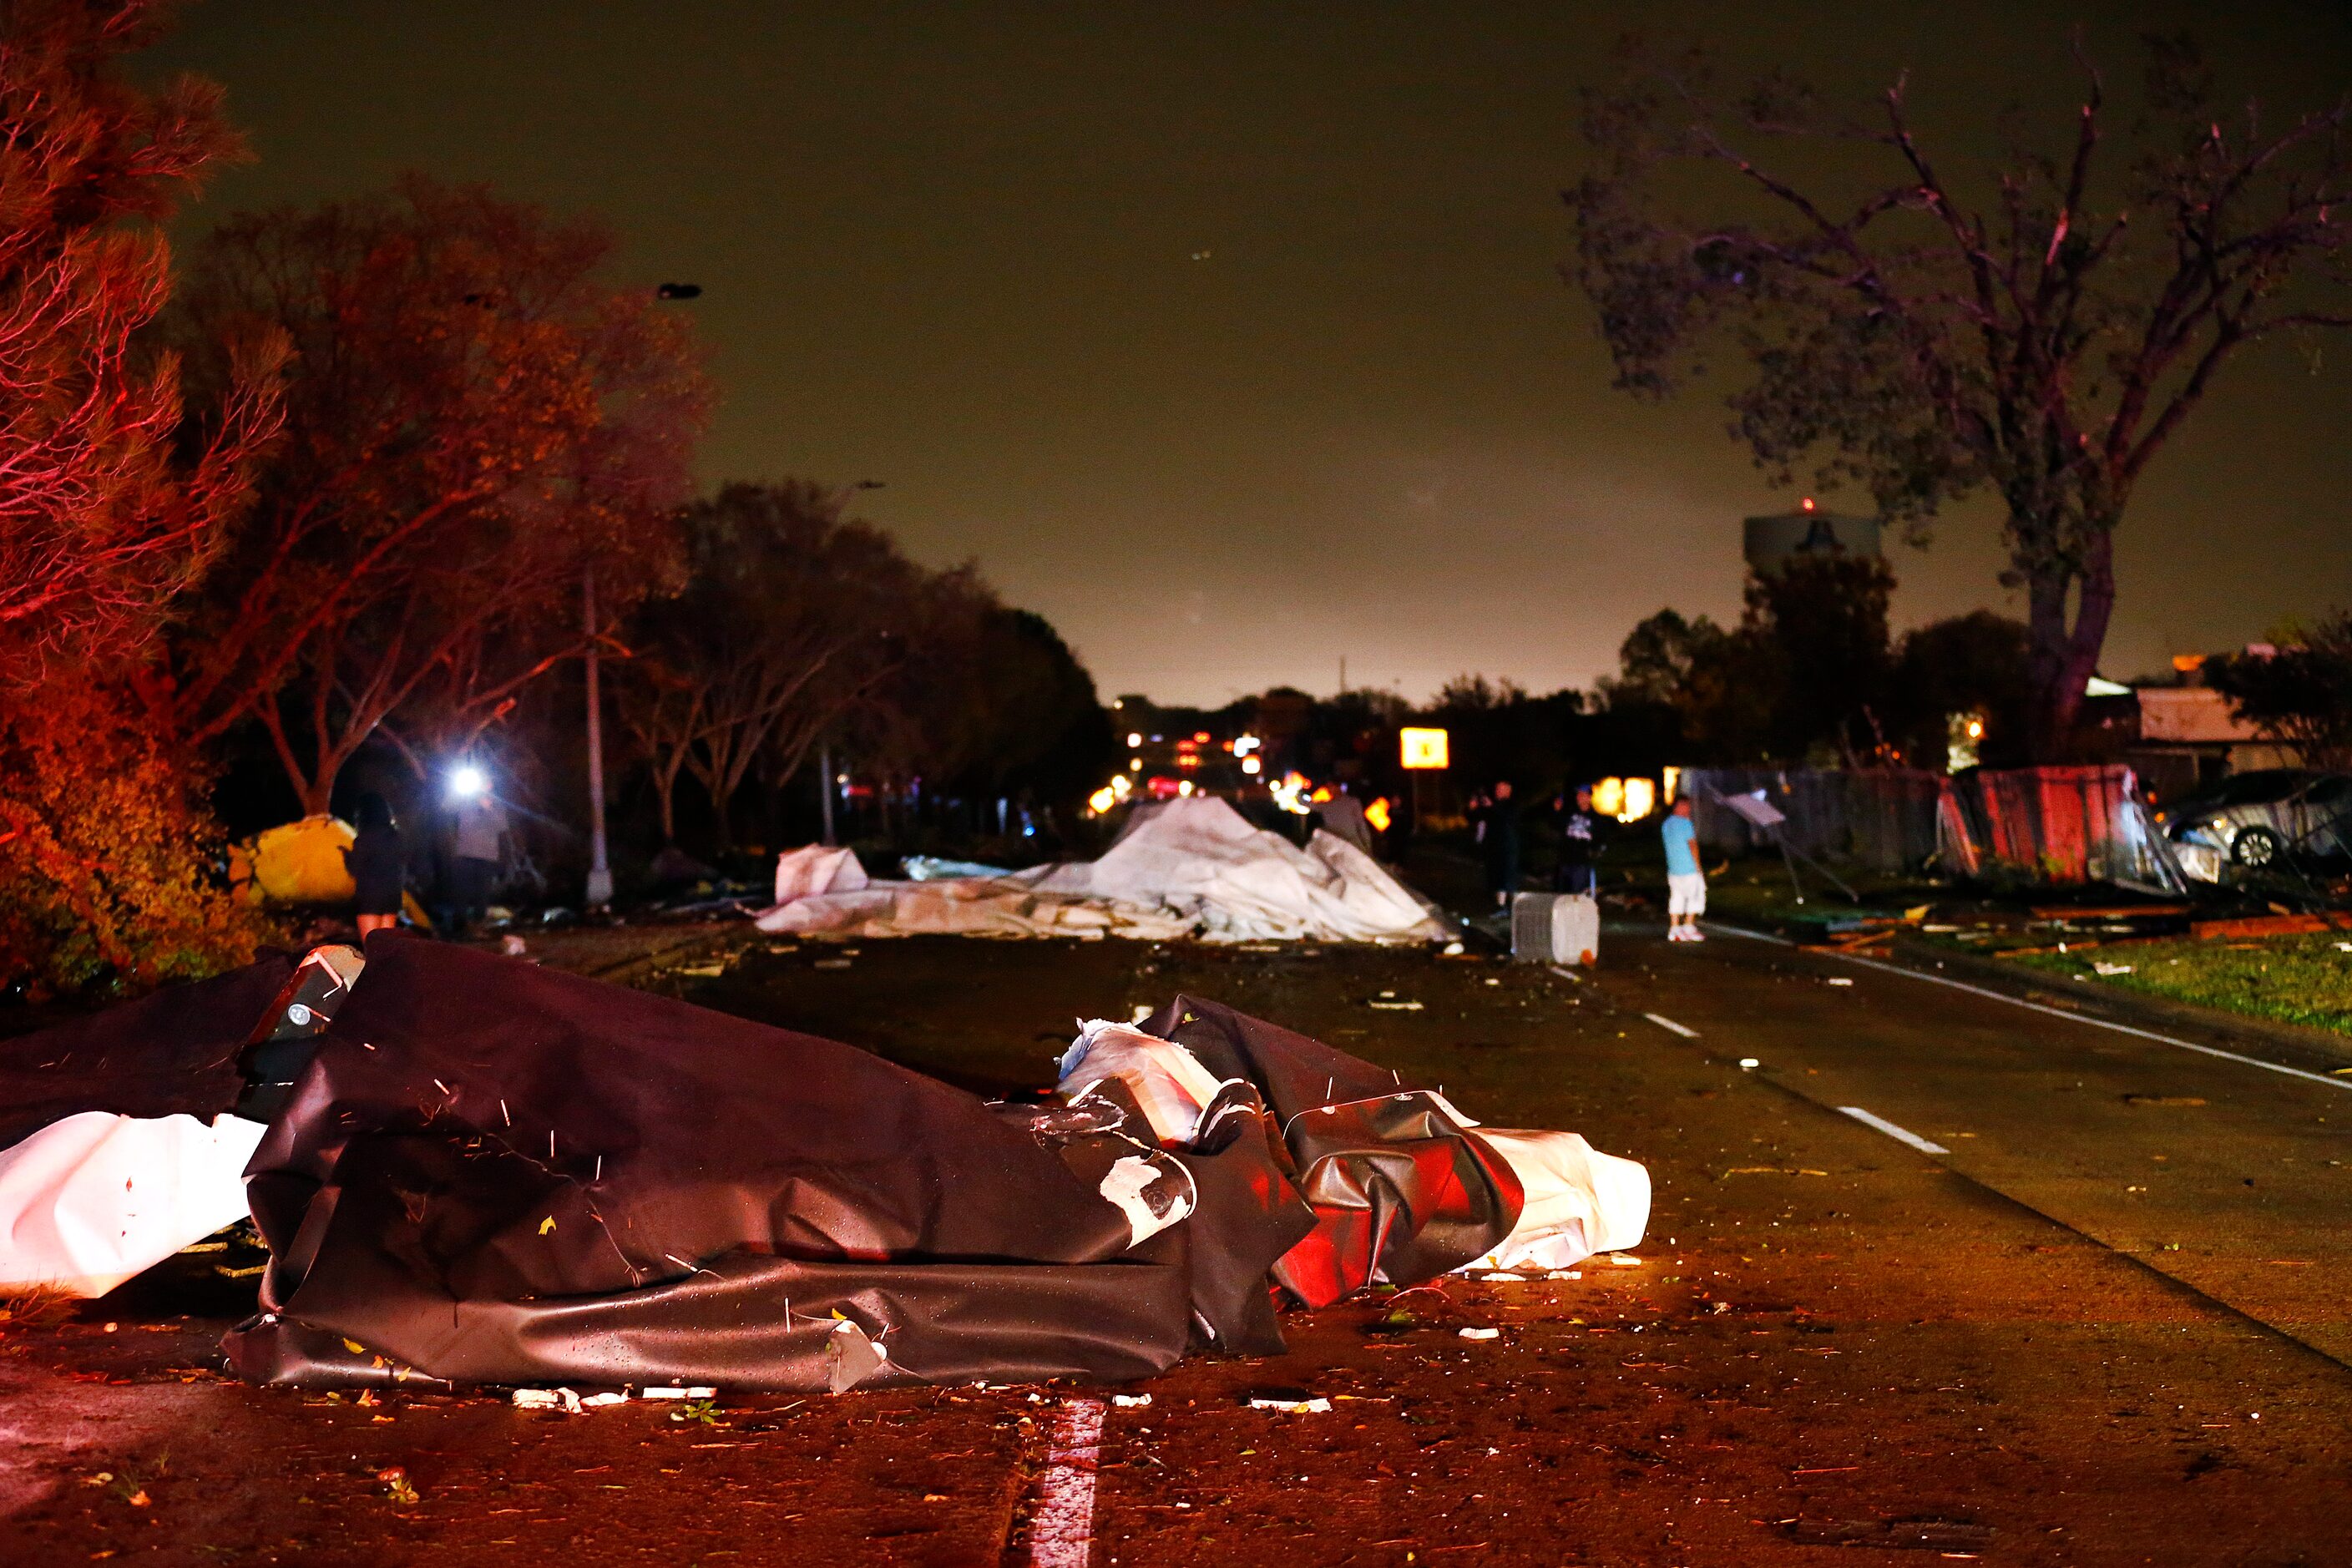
(600, 870)
(825, 796)
(840, 498)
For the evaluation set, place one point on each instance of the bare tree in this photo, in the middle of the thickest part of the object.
(2041, 330)
(791, 618)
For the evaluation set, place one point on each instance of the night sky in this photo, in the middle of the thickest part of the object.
(1229, 337)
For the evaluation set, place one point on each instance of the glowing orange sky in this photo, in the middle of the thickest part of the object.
(955, 248)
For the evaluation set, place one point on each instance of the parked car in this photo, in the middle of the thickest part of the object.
(2253, 819)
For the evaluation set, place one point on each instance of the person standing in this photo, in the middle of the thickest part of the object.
(377, 866)
(1577, 868)
(1342, 816)
(1499, 834)
(477, 845)
(1686, 882)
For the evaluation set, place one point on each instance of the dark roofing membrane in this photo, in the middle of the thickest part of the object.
(492, 1172)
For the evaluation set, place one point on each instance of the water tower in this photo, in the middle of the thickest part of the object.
(1771, 542)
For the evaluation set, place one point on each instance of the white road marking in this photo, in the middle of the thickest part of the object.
(1750, 935)
(2062, 1012)
(1684, 1030)
(1062, 1530)
(1900, 1134)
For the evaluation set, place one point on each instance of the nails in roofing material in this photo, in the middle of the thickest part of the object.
(1687, 1032)
(1061, 1529)
(1900, 1134)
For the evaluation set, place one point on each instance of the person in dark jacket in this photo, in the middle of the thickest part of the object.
(1577, 868)
(1498, 836)
(377, 864)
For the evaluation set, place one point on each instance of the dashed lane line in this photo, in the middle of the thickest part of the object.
(1900, 1134)
(1062, 1528)
(1685, 1030)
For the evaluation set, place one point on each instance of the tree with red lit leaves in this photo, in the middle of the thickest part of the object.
(474, 417)
(103, 516)
(2040, 328)
(111, 504)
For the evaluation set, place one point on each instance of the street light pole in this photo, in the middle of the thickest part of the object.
(600, 866)
(600, 870)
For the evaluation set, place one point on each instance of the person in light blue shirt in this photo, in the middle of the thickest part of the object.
(1685, 882)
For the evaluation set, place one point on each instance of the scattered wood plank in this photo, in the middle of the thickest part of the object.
(2271, 925)
(2103, 912)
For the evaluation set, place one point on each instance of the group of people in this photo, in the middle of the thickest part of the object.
(378, 861)
(1580, 833)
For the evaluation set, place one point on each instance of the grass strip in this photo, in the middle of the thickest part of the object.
(2302, 980)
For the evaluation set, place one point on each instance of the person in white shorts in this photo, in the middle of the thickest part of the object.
(1685, 882)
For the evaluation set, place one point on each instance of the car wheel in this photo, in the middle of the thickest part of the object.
(2256, 847)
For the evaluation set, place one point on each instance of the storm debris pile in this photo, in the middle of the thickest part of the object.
(1180, 868)
(487, 1172)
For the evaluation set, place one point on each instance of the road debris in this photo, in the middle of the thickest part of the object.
(562, 1399)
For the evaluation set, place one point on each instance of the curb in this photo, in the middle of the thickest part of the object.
(640, 965)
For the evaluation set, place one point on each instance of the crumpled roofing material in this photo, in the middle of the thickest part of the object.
(90, 1200)
(490, 1172)
(1181, 867)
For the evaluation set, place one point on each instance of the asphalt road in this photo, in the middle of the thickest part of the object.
(1834, 1349)
(2231, 1174)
